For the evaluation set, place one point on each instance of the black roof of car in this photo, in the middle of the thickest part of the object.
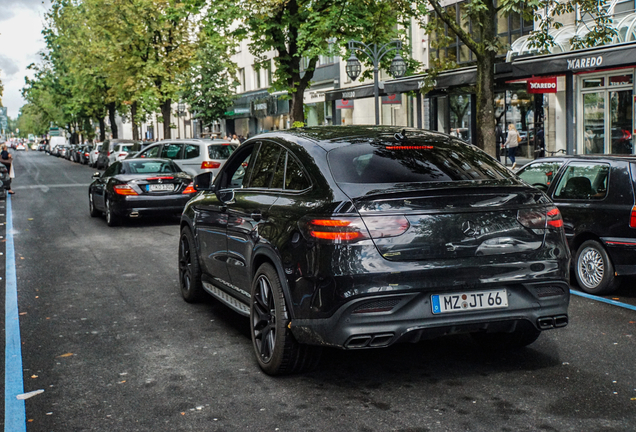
(330, 137)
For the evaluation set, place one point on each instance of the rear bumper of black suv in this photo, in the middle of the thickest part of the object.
(382, 320)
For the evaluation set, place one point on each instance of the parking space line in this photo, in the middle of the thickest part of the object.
(14, 409)
(603, 300)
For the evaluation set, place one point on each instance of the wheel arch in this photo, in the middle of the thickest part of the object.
(264, 255)
(582, 238)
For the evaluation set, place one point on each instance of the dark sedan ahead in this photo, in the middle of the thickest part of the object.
(361, 237)
(137, 187)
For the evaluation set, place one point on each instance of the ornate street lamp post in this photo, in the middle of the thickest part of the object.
(375, 53)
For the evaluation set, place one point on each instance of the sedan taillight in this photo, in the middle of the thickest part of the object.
(540, 219)
(190, 189)
(210, 165)
(124, 190)
(632, 218)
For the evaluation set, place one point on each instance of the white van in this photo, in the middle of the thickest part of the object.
(56, 141)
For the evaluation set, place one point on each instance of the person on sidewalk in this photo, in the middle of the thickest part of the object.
(512, 142)
(7, 160)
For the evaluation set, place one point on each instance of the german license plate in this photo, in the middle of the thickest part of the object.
(463, 302)
(160, 187)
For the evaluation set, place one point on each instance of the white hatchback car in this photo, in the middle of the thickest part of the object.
(122, 150)
(92, 157)
(194, 156)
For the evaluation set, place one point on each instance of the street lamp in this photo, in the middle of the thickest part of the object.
(375, 53)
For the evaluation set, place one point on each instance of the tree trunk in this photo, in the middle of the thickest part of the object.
(113, 123)
(133, 115)
(486, 104)
(296, 112)
(102, 129)
(165, 112)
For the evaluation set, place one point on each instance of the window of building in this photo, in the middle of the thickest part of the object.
(241, 80)
(509, 29)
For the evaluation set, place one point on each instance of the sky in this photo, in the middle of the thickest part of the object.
(21, 24)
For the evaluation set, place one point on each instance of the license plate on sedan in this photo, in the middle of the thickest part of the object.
(463, 302)
(160, 187)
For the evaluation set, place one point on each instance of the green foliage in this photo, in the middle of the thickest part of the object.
(208, 85)
(298, 124)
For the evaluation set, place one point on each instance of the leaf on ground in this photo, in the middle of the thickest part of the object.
(65, 355)
(22, 313)
(34, 376)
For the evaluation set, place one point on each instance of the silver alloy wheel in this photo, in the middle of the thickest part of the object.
(591, 267)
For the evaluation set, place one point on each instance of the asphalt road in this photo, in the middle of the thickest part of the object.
(108, 338)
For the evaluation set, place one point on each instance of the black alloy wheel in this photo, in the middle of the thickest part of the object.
(277, 352)
(594, 270)
(189, 269)
(111, 219)
(91, 206)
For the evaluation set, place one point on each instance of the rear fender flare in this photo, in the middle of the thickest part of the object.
(267, 254)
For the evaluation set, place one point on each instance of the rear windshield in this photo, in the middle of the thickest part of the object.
(149, 167)
(221, 151)
(413, 162)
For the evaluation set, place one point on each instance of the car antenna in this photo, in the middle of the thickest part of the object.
(401, 136)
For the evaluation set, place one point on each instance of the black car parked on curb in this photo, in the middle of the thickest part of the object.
(138, 187)
(361, 237)
(595, 195)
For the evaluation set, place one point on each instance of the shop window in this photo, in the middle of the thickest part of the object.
(594, 82)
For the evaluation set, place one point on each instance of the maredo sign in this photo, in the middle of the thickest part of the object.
(542, 85)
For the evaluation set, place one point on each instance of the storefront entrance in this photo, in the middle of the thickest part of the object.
(606, 112)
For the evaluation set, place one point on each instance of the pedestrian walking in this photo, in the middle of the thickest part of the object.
(498, 141)
(512, 142)
(235, 139)
(7, 160)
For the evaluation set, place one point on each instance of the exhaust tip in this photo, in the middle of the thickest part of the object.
(560, 321)
(358, 342)
(134, 214)
(545, 323)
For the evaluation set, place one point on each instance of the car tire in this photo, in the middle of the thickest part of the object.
(189, 268)
(277, 351)
(111, 218)
(523, 335)
(91, 206)
(594, 270)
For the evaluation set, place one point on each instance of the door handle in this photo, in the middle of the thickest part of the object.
(257, 216)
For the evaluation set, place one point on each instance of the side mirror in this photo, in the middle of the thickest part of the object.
(203, 182)
(96, 174)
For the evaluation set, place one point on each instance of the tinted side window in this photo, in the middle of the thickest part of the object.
(584, 181)
(279, 175)
(191, 151)
(540, 173)
(295, 177)
(171, 151)
(152, 152)
(112, 170)
(265, 165)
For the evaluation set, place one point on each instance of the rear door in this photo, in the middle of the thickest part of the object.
(248, 213)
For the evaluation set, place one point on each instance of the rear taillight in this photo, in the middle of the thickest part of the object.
(210, 165)
(86, 154)
(538, 219)
(122, 154)
(632, 218)
(190, 189)
(160, 178)
(124, 190)
(335, 229)
(108, 154)
(554, 219)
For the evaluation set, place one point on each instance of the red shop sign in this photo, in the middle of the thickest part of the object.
(542, 85)
(344, 104)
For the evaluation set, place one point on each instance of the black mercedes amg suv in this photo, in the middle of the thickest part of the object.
(361, 237)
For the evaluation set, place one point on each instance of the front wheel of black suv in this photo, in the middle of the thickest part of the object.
(189, 269)
(277, 352)
(522, 336)
(594, 270)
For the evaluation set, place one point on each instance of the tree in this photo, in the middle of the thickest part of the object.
(480, 38)
(209, 83)
(299, 31)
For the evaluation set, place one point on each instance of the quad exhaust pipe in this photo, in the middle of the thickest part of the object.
(546, 323)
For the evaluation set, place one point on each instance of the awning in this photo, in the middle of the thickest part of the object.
(576, 61)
